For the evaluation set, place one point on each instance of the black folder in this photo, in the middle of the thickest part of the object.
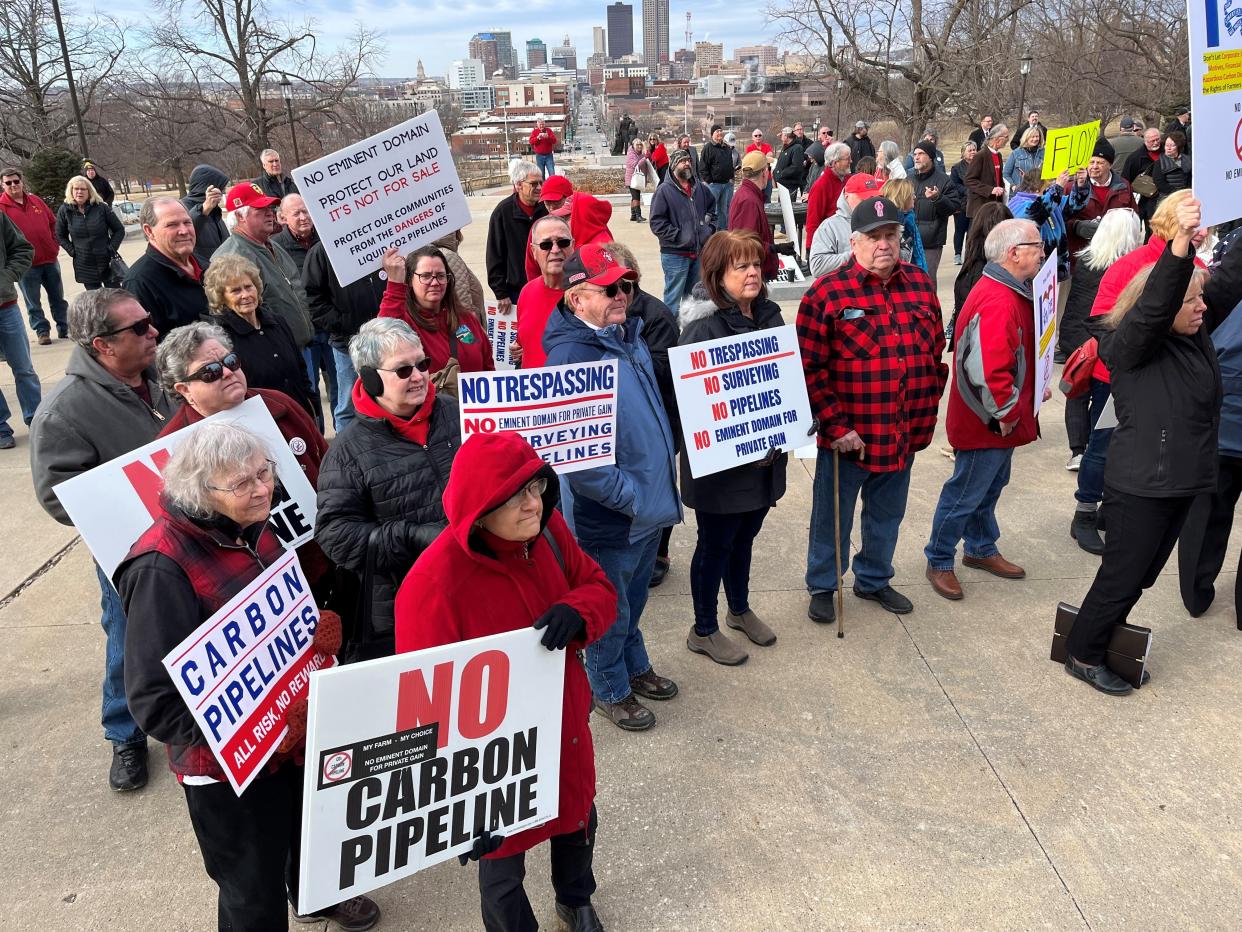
(1127, 651)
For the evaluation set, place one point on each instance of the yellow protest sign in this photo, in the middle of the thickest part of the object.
(1069, 149)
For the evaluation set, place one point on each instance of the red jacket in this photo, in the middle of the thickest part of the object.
(588, 223)
(534, 309)
(746, 213)
(469, 584)
(37, 223)
(658, 156)
(474, 351)
(871, 351)
(1089, 202)
(994, 341)
(821, 202)
(543, 141)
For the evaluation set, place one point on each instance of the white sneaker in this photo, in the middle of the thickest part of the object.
(1074, 462)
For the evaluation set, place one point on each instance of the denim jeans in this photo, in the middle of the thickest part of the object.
(16, 347)
(723, 192)
(967, 507)
(620, 655)
(319, 359)
(345, 379)
(681, 273)
(722, 554)
(119, 726)
(546, 163)
(1091, 471)
(961, 226)
(883, 506)
(45, 276)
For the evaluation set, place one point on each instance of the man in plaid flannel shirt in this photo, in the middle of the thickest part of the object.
(872, 338)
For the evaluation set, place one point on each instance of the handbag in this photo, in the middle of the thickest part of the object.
(1144, 185)
(118, 268)
(638, 180)
(1076, 373)
(446, 379)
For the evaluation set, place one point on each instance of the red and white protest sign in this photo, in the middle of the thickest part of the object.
(246, 664)
(408, 758)
(502, 333)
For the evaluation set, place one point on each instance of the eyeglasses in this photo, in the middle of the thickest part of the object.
(533, 185)
(534, 489)
(139, 328)
(243, 488)
(404, 372)
(757, 136)
(547, 244)
(1040, 245)
(623, 286)
(13, 183)
(428, 277)
(214, 371)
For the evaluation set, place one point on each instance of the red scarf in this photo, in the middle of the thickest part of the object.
(414, 429)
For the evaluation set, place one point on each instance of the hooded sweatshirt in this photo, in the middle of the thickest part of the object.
(471, 584)
(209, 228)
(830, 248)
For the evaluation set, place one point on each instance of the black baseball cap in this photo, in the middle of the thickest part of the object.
(872, 213)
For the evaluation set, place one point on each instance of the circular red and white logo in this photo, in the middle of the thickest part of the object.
(1237, 140)
(338, 766)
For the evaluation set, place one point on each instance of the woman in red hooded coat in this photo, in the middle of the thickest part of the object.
(507, 562)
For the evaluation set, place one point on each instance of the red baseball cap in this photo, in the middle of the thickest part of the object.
(863, 184)
(247, 194)
(595, 264)
(555, 188)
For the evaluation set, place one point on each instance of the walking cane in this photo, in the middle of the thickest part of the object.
(836, 525)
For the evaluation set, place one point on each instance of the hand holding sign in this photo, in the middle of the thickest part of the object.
(1070, 148)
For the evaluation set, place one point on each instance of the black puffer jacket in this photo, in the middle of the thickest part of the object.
(91, 238)
(660, 331)
(339, 312)
(1073, 331)
(209, 229)
(379, 490)
(933, 214)
(743, 488)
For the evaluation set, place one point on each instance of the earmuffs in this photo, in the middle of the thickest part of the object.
(372, 381)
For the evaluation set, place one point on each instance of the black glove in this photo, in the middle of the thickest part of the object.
(771, 458)
(1086, 228)
(563, 624)
(1037, 213)
(814, 431)
(484, 843)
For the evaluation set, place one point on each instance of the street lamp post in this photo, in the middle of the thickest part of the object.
(1024, 66)
(286, 91)
(506, 119)
(840, 87)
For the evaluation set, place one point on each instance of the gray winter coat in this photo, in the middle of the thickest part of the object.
(830, 249)
(282, 284)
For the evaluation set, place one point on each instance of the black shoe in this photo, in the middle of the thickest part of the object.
(7, 442)
(1200, 602)
(579, 919)
(129, 767)
(823, 610)
(1084, 530)
(356, 914)
(650, 685)
(661, 570)
(1101, 677)
(889, 598)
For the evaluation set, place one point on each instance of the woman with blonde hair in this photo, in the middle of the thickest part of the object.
(90, 232)
(901, 192)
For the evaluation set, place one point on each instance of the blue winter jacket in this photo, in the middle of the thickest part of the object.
(1020, 161)
(682, 222)
(616, 505)
(1048, 217)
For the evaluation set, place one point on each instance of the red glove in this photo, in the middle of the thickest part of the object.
(328, 633)
(295, 719)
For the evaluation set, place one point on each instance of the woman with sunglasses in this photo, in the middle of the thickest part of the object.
(197, 365)
(421, 292)
(507, 562)
(658, 155)
(380, 488)
(729, 506)
(263, 341)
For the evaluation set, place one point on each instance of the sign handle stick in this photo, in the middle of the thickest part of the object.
(836, 529)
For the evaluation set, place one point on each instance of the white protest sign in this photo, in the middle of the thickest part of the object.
(502, 332)
(243, 666)
(396, 188)
(408, 758)
(112, 504)
(1216, 102)
(1044, 292)
(567, 413)
(740, 397)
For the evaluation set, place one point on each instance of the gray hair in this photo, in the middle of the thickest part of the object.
(1005, 235)
(211, 448)
(520, 170)
(997, 129)
(90, 315)
(284, 200)
(172, 359)
(266, 152)
(623, 255)
(378, 339)
(838, 150)
(534, 227)
(147, 216)
(889, 150)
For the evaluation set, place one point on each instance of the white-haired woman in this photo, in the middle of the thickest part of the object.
(380, 486)
(90, 232)
(210, 539)
(888, 162)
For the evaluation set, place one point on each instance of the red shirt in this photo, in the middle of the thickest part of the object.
(996, 169)
(762, 147)
(474, 352)
(534, 308)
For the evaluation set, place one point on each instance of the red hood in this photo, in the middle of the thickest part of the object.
(488, 469)
(588, 220)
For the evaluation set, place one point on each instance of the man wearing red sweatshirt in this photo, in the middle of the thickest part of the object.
(543, 143)
(38, 225)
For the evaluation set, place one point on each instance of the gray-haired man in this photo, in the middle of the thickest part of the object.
(508, 231)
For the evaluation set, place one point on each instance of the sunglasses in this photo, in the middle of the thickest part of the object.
(14, 182)
(139, 328)
(547, 244)
(622, 286)
(214, 371)
(404, 372)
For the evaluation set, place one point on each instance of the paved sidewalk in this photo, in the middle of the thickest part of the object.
(928, 772)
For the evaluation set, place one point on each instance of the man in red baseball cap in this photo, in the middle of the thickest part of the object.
(830, 247)
(556, 188)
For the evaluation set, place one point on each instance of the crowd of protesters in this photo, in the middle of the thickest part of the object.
(422, 540)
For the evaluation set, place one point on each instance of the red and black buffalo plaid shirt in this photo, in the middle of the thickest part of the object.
(871, 351)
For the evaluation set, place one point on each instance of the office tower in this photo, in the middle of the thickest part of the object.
(655, 34)
(620, 30)
(601, 43)
(483, 46)
(536, 53)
